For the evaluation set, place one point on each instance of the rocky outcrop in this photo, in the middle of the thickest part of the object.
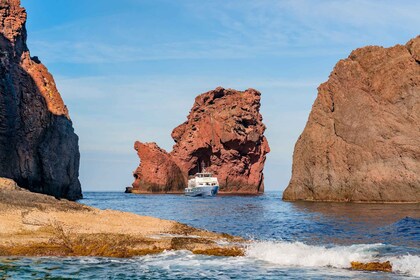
(224, 132)
(362, 139)
(38, 146)
(157, 171)
(372, 266)
(35, 224)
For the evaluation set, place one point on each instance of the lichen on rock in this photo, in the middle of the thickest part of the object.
(35, 224)
(372, 266)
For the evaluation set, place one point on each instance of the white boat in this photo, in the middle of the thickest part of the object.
(203, 184)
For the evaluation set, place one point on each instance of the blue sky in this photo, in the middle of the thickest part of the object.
(130, 69)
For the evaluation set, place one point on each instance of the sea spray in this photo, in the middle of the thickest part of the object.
(272, 219)
(406, 264)
(298, 254)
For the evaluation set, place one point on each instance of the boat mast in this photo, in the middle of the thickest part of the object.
(203, 169)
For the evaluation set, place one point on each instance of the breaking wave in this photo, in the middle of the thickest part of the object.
(298, 254)
(407, 264)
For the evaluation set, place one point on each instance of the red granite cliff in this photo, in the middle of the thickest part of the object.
(224, 132)
(38, 146)
(157, 171)
(362, 139)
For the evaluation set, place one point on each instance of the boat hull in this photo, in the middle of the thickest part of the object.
(202, 191)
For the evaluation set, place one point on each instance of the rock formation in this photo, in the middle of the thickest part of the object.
(372, 266)
(34, 224)
(223, 132)
(38, 146)
(157, 171)
(362, 138)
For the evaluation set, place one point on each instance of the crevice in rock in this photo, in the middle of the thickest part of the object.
(34, 135)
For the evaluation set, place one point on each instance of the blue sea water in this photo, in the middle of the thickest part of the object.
(290, 240)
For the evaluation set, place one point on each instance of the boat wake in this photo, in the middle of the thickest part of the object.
(298, 254)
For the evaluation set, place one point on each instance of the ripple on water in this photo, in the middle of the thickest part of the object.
(293, 240)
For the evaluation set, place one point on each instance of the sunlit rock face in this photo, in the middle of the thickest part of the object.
(157, 171)
(223, 133)
(38, 146)
(362, 138)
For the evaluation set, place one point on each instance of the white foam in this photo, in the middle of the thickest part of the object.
(301, 255)
(407, 264)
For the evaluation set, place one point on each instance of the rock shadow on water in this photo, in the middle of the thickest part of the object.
(348, 223)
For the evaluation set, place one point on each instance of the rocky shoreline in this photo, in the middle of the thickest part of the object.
(39, 225)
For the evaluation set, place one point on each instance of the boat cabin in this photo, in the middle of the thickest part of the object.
(204, 175)
(203, 179)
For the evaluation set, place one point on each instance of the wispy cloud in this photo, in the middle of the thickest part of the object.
(110, 113)
(134, 73)
(100, 53)
(235, 30)
(308, 23)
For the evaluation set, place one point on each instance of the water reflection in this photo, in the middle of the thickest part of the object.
(267, 217)
(371, 214)
(350, 223)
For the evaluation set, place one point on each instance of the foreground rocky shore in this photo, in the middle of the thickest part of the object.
(40, 225)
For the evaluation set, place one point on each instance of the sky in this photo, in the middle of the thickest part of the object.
(130, 69)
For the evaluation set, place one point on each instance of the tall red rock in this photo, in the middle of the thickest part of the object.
(157, 171)
(38, 146)
(362, 139)
(225, 133)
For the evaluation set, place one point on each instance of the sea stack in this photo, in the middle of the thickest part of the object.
(157, 172)
(38, 146)
(362, 139)
(223, 133)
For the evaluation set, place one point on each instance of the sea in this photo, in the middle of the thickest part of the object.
(290, 240)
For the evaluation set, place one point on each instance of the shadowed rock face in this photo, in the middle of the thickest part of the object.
(38, 146)
(362, 138)
(224, 132)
